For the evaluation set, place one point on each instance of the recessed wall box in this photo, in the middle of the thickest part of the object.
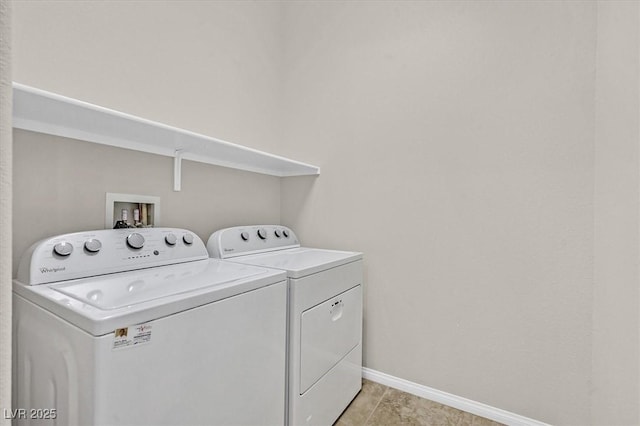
(130, 210)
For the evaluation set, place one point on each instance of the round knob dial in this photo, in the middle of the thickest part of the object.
(171, 239)
(92, 245)
(135, 240)
(63, 249)
(277, 233)
(262, 234)
(187, 238)
(244, 236)
(285, 233)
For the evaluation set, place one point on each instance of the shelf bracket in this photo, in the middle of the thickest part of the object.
(177, 170)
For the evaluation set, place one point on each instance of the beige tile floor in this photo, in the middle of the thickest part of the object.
(379, 405)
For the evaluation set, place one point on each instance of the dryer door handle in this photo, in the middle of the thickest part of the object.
(336, 310)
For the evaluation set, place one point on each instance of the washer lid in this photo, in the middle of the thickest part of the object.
(126, 290)
(101, 304)
(302, 261)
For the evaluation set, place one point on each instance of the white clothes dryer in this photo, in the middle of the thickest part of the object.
(325, 316)
(141, 327)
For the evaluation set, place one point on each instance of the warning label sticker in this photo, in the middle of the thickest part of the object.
(131, 336)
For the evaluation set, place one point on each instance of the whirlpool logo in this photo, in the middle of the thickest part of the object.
(46, 270)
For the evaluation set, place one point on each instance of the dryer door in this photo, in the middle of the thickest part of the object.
(328, 332)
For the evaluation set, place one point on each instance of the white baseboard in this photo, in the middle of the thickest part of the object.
(464, 404)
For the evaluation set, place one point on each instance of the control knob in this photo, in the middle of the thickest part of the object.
(285, 233)
(135, 241)
(277, 233)
(92, 245)
(244, 236)
(262, 234)
(187, 238)
(63, 249)
(171, 239)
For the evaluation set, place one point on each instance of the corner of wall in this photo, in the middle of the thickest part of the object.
(5, 205)
(615, 381)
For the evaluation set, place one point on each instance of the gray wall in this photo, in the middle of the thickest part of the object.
(209, 67)
(616, 314)
(456, 146)
(496, 142)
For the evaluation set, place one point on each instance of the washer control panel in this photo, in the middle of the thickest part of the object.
(243, 240)
(92, 253)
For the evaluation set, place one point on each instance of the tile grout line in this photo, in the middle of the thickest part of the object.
(376, 407)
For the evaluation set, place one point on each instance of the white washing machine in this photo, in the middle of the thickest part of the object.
(325, 316)
(133, 327)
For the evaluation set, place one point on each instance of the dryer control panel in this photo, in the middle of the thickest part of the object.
(243, 240)
(106, 251)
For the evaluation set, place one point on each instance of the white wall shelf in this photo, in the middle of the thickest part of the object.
(45, 112)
